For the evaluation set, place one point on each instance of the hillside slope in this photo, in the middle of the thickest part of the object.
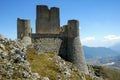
(54, 67)
(20, 63)
(107, 73)
(13, 63)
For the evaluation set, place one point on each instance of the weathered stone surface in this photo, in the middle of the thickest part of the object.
(45, 45)
(24, 31)
(65, 70)
(45, 78)
(13, 63)
(47, 21)
(26, 41)
(36, 76)
(76, 55)
(2, 46)
(75, 52)
(66, 74)
(4, 55)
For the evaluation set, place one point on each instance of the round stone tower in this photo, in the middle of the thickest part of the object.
(75, 52)
(24, 31)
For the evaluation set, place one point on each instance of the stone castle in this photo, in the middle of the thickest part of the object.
(50, 37)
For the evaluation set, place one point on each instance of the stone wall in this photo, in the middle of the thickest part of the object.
(37, 36)
(75, 54)
(49, 43)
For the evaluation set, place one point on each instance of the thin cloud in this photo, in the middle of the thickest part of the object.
(88, 39)
(105, 41)
(111, 40)
(111, 37)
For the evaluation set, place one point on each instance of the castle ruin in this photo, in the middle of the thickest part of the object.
(65, 40)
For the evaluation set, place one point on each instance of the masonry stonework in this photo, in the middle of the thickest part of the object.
(24, 31)
(50, 37)
(47, 21)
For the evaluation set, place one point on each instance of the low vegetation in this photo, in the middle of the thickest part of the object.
(45, 65)
(107, 73)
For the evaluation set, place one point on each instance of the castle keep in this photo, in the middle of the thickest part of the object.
(50, 37)
(47, 21)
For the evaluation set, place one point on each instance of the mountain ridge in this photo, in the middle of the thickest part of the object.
(99, 52)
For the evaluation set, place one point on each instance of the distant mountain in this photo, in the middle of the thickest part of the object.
(102, 56)
(116, 47)
(94, 52)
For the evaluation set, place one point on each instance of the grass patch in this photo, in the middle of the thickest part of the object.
(44, 64)
(88, 77)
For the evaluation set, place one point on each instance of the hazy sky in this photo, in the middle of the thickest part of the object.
(99, 19)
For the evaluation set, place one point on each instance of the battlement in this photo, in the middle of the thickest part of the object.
(47, 20)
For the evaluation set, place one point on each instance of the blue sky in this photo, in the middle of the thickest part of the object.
(99, 19)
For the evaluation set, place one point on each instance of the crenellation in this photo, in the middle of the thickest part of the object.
(50, 37)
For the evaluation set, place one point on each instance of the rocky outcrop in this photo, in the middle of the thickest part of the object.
(13, 63)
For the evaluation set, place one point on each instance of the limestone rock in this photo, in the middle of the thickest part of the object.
(26, 41)
(45, 78)
(66, 74)
(2, 46)
(35, 76)
(13, 63)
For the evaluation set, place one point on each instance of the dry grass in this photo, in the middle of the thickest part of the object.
(107, 73)
(44, 64)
